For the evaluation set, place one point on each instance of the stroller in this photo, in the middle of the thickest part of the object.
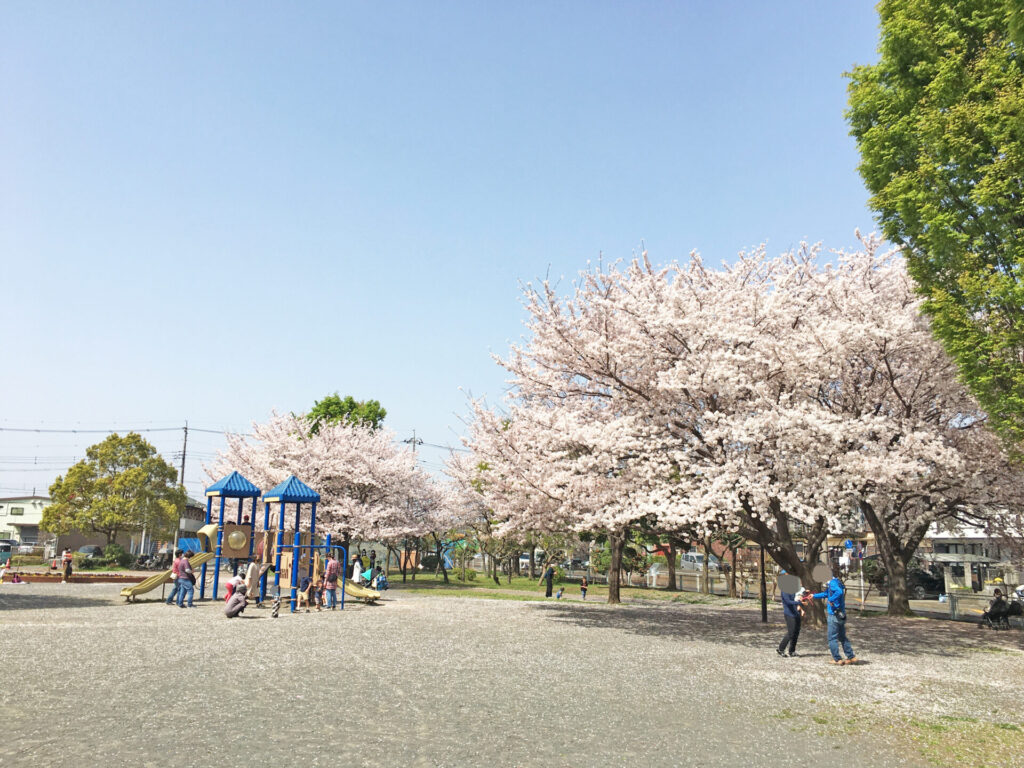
(998, 616)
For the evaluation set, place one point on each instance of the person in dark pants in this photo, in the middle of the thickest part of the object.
(549, 577)
(793, 611)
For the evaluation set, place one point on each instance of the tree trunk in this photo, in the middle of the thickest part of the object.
(894, 558)
(405, 559)
(616, 542)
(533, 562)
(416, 560)
(899, 600)
(732, 575)
(705, 585)
(672, 585)
(440, 559)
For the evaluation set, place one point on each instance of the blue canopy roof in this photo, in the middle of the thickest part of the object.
(292, 490)
(234, 486)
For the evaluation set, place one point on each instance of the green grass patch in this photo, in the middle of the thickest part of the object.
(991, 649)
(950, 741)
(479, 594)
(484, 586)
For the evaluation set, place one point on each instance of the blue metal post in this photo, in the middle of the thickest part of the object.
(327, 551)
(252, 530)
(202, 578)
(220, 538)
(280, 546)
(266, 555)
(312, 532)
(296, 552)
(344, 569)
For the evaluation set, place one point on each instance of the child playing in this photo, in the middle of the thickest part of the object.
(305, 588)
(583, 587)
(318, 593)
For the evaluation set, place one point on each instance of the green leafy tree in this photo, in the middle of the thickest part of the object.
(939, 122)
(123, 485)
(335, 409)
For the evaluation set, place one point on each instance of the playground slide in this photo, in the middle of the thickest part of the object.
(161, 578)
(361, 593)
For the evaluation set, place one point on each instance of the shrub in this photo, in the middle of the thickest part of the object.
(114, 554)
(20, 560)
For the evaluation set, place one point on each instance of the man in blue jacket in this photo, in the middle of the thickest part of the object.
(835, 610)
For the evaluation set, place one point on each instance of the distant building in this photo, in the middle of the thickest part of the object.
(20, 517)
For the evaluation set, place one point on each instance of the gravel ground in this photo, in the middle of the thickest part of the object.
(436, 681)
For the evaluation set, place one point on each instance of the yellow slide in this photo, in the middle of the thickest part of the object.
(360, 593)
(131, 591)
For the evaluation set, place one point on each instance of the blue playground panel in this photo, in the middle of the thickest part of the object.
(186, 544)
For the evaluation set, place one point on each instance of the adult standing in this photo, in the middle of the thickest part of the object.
(67, 559)
(549, 577)
(792, 611)
(174, 576)
(186, 580)
(835, 614)
(332, 570)
(373, 561)
(357, 569)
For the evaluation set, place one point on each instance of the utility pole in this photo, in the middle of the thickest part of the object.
(414, 441)
(764, 591)
(184, 450)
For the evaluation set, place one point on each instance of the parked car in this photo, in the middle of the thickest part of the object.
(5, 551)
(922, 581)
(694, 561)
(91, 550)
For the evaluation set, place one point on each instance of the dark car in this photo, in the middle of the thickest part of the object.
(91, 550)
(922, 581)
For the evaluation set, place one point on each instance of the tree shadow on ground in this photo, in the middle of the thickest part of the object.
(742, 626)
(25, 601)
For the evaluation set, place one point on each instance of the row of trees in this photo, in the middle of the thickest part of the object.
(777, 398)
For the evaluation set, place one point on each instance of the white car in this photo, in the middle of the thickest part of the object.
(694, 561)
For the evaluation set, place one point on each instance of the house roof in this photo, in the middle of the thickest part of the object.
(234, 486)
(292, 490)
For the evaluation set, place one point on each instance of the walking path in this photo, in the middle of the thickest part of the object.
(424, 681)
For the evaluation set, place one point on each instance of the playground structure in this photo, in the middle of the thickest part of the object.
(292, 553)
(240, 537)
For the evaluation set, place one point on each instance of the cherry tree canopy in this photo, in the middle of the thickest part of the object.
(369, 487)
(780, 397)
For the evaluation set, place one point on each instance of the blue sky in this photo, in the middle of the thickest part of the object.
(209, 210)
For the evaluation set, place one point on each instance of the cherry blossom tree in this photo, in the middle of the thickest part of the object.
(777, 397)
(370, 488)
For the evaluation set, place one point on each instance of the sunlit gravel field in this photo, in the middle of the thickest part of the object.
(433, 681)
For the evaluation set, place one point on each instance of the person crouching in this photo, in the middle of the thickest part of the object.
(236, 604)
